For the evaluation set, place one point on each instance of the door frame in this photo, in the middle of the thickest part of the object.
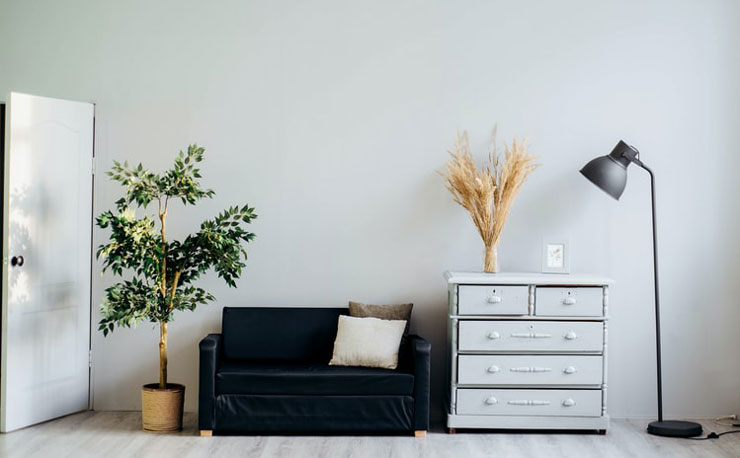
(93, 176)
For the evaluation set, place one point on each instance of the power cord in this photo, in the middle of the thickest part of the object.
(714, 435)
(722, 422)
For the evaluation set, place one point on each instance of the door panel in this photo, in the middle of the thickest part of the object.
(46, 297)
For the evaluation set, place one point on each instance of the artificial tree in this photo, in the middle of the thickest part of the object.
(163, 271)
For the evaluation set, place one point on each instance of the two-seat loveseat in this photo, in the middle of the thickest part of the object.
(268, 372)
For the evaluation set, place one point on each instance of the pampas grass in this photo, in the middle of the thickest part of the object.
(488, 193)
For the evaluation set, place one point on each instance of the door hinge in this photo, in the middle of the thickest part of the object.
(89, 358)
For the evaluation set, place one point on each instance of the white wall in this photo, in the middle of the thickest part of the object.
(332, 117)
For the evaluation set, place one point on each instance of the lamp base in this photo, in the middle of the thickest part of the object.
(674, 428)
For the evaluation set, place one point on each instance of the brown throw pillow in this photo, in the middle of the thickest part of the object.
(384, 312)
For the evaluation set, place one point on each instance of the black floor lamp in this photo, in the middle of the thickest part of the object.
(609, 173)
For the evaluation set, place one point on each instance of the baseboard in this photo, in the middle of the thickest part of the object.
(669, 416)
(441, 418)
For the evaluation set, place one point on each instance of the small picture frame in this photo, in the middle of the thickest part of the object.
(556, 256)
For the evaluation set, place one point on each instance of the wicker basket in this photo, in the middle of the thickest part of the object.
(161, 409)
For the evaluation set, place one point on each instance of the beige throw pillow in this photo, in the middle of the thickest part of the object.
(384, 312)
(368, 342)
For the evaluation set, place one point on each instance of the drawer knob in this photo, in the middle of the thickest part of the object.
(491, 400)
(570, 300)
(494, 299)
(570, 370)
(493, 369)
(569, 402)
(493, 335)
(570, 335)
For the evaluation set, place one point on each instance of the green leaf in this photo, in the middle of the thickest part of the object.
(136, 251)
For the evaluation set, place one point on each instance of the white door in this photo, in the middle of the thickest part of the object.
(47, 252)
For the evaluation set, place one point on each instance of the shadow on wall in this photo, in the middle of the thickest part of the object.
(430, 217)
(127, 384)
(556, 205)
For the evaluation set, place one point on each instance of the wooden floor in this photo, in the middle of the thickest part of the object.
(118, 434)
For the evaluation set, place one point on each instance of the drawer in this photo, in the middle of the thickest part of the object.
(530, 336)
(571, 403)
(492, 300)
(529, 370)
(555, 301)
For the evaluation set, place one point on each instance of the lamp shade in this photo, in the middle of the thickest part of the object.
(609, 172)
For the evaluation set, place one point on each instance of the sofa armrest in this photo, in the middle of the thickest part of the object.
(210, 354)
(420, 351)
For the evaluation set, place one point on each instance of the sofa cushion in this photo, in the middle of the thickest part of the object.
(262, 377)
(290, 334)
(314, 414)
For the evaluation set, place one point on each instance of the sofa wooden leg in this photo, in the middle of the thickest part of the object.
(206, 433)
(420, 433)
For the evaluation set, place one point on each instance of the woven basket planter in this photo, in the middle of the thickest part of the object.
(161, 408)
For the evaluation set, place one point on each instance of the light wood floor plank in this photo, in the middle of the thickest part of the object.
(118, 434)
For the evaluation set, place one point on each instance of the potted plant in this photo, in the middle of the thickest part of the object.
(161, 272)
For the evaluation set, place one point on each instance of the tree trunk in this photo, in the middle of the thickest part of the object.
(163, 290)
(162, 355)
(491, 262)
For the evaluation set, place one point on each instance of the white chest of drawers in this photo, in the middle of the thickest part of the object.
(527, 351)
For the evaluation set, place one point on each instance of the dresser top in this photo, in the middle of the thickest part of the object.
(525, 278)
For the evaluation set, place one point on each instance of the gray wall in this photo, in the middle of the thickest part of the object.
(331, 119)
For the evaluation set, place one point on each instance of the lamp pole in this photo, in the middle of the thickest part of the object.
(657, 288)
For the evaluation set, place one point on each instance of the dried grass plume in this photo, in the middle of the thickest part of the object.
(488, 193)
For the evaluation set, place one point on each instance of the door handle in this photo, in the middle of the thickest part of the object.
(17, 261)
(530, 369)
(531, 335)
(527, 402)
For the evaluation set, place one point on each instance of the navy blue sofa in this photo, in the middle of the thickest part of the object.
(268, 372)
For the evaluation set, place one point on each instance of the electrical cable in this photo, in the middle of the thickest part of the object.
(714, 435)
(733, 421)
(719, 421)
